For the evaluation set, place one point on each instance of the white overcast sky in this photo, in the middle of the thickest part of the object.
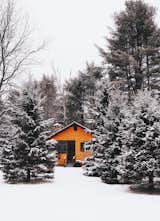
(72, 28)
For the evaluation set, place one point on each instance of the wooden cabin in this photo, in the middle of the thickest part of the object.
(70, 144)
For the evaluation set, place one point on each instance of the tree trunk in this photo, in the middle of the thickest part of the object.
(138, 80)
(128, 84)
(148, 74)
(151, 181)
(28, 175)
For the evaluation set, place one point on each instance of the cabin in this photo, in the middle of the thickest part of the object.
(70, 144)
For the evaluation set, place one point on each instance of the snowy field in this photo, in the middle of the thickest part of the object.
(74, 197)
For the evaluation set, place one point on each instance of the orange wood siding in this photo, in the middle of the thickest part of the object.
(71, 134)
(79, 136)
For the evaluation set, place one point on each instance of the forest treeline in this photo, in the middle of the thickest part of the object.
(118, 100)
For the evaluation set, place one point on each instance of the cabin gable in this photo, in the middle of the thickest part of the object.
(72, 134)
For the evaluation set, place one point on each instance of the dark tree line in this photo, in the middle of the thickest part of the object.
(79, 92)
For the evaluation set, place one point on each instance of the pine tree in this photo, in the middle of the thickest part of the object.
(48, 89)
(133, 48)
(79, 91)
(107, 147)
(29, 155)
(142, 160)
(97, 110)
(6, 128)
(112, 164)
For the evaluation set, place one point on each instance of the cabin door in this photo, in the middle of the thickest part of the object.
(70, 152)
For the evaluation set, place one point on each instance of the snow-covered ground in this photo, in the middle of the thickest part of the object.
(74, 197)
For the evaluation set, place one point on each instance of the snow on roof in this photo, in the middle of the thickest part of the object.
(70, 125)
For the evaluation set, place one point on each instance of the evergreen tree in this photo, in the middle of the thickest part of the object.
(112, 163)
(29, 154)
(107, 147)
(142, 158)
(133, 48)
(6, 128)
(97, 109)
(79, 91)
(47, 87)
(74, 101)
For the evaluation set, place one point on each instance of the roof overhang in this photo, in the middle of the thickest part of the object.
(70, 125)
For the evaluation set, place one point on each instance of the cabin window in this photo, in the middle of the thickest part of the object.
(82, 147)
(75, 127)
(62, 147)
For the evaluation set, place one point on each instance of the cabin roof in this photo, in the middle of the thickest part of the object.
(70, 125)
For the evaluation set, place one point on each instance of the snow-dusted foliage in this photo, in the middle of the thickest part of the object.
(98, 110)
(126, 148)
(142, 159)
(5, 128)
(107, 147)
(29, 155)
(111, 166)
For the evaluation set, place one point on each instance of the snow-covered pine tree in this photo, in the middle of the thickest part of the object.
(112, 165)
(30, 155)
(6, 128)
(107, 147)
(97, 113)
(142, 160)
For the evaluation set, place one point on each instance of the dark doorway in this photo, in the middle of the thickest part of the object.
(70, 152)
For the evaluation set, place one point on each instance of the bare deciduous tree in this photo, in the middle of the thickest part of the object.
(16, 50)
